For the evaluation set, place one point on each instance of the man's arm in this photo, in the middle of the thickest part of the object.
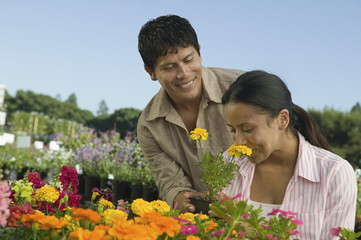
(167, 173)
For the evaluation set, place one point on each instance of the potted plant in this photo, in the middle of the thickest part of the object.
(217, 172)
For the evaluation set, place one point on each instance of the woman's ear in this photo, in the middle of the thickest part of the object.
(151, 73)
(283, 119)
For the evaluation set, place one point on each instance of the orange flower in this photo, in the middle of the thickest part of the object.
(52, 222)
(80, 234)
(88, 214)
(160, 223)
(191, 237)
(128, 230)
(211, 225)
(32, 218)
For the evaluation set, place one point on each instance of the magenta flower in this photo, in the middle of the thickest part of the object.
(281, 212)
(189, 229)
(335, 231)
(36, 180)
(297, 221)
(272, 238)
(220, 232)
(293, 232)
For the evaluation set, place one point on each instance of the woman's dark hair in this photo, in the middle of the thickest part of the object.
(270, 93)
(159, 35)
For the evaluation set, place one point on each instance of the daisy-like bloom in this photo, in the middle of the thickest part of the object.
(160, 206)
(47, 194)
(199, 134)
(159, 223)
(88, 214)
(140, 206)
(239, 150)
(105, 204)
(110, 216)
(189, 229)
(52, 222)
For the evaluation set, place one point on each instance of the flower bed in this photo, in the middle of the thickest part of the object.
(36, 209)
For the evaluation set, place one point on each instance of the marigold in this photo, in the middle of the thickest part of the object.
(52, 222)
(190, 217)
(112, 215)
(160, 224)
(140, 206)
(30, 218)
(160, 206)
(129, 230)
(105, 204)
(191, 237)
(80, 214)
(199, 134)
(47, 194)
(238, 150)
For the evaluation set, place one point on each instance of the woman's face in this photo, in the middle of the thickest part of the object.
(253, 128)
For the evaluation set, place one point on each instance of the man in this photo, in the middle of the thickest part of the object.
(190, 97)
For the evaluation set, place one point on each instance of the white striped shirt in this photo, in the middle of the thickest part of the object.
(322, 191)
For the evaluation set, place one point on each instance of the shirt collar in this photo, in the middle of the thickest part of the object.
(306, 165)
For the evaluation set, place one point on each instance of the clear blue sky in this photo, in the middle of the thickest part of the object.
(89, 47)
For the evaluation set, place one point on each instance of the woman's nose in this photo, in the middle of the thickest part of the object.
(240, 139)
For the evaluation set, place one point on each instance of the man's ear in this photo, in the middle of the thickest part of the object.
(151, 73)
(283, 119)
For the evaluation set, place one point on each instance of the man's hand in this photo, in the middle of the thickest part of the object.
(183, 203)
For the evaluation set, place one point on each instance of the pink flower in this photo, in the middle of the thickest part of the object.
(293, 232)
(245, 216)
(335, 231)
(231, 199)
(297, 221)
(189, 229)
(220, 232)
(281, 212)
(4, 203)
(271, 238)
(69, 176)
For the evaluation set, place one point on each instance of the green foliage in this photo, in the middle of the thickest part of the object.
(217, 173)
(343, 131)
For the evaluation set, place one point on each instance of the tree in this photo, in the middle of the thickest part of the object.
(356, 108)
(72, 99)
(103, 108)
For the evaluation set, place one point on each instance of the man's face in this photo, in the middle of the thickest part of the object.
(180, 74)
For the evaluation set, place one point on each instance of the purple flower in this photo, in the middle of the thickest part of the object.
(220, 232)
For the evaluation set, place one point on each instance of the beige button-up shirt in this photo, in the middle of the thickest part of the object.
(165, 141)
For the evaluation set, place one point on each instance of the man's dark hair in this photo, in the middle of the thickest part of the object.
(165, 33)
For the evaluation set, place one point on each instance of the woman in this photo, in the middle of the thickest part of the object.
(291, 167)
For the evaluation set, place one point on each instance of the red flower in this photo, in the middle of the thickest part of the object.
(16, 211)
(69, 176)
(36, 180)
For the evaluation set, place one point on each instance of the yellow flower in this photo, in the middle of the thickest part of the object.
(113, 215)
(105, 204)
(199, 134)
(160, 206)
(73, 224)
(238, 150)
(190, 217)
(140, 206)
(47, 194)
